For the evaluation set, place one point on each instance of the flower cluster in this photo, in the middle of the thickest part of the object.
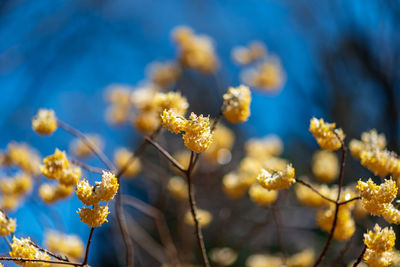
(23, 156)
(92, 195)
(379, 244)
(120, 105)
(57, 167)
(178, 188)
(326, 135)
(277, 180)
(219, 151)
(68, 245)
(244, 55)
(325, 166)
(345, 225)
(82, 150)
(14, 188)
(123, 156)
(23, 248)
(223, 256)
(236, 107)
(195, 51)
(7, 225)
(197, 134)
(45, 122)
(163, 74)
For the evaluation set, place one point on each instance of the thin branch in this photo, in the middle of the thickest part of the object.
(278, 223)
(85, 261)
(39, 260)
(337, 205)
(58, 257)
(315, 190)
(348, 201)
(87, 142)
(359, 259)
(86, 167)
(161, 224)
(193, 209)
(165, 153)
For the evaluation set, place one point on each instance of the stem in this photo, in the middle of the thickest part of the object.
(359, 259)
(87, 142)
(58, 257)
(85, 261)
(348, 201)
(166, 154)
(278, 222)
(39, 260)
(86, 167)
(337, 203)
(124, 231)
(193, 209)
(315, 190)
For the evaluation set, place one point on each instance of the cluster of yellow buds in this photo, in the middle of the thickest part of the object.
(93, 195)
(269, 75)
(345, 225)
(369, 140)
(197, 134)
(220, 150)
(45, 122)
(147, 120)
(204, 217)
(380, 243)
(178, 188)
(7, 225)
(64, 244)
(236, 106)
(163, 74)
(13, 189)
(325, 166)
(303, 258)
(244, 55)
(224, 256)
(376, 198)
(260, 153)
(195, 51)
(123, 156)
(23, 248)
(57, 167)
(118, 96)
(23, 156)
(277, 180)
(82, 150)
(326, 135)
(262, 196)
(308, 197)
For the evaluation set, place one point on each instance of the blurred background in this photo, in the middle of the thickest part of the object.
(341, 61)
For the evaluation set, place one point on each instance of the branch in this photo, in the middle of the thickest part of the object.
(39, 260)
(315, 190)
(86, 167)
(359, 259)
(348, 201)
(85, 261)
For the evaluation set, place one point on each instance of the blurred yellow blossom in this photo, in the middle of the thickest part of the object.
(325, 166)
(68, 245)
(204, 217)
(122, 156)
(82, 150)
(236, 106)
(45, 122)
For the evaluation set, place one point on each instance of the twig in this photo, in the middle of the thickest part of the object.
(86, 167)
(359, 259)
(161, 224)
(39, 260)
(315, 190)
(349, 200)
(337, 203)
(87, 142)
(193, 209)
(166, 154)
(58, 257)
(85, 261)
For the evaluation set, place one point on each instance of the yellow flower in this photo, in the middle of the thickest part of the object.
(23, 156)
(172, 122)
(54, 164)
(95, 216)
(197, 136)
(246, 55)
(9, 202)
(236, 107)
(375, 199)
(51, 193)
(325, 135)
(70, 175)
(147, 122)
(369, 140)
(325, 166)
(45, 122)
(374, 259)
(103, 191)
(391, 214)
(117, 114)
(122, 156)
(232, 186)
(68, 245)
(164, 74)
(248, 170)
(380, 240)
(262, 196)
(277, 180)
(171, 100)
(7, 225)
(304, 258)
(223, 256)
(23, 248)
(82, 150)
(178, 188)
(345, 225)
(377, 161)
(18, 185)
(263, 260)
(204, 217)
(263, 148)
(118, 95)
(308, 197)
(268, 75)
(220, 150)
